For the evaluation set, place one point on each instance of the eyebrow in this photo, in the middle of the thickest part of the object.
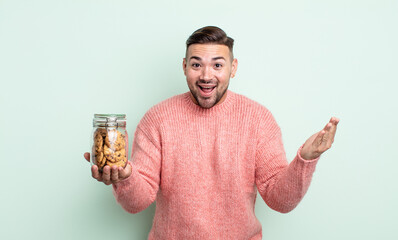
(199, 59)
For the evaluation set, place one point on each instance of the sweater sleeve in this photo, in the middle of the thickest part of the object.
(281, 185)
(139, 190)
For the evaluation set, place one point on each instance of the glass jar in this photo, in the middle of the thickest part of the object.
(109, 140)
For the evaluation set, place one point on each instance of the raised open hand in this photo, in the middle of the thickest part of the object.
(320, 141)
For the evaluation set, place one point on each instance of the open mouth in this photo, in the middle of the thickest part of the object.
(206, 91)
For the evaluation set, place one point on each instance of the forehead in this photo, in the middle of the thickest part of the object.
(208, 51)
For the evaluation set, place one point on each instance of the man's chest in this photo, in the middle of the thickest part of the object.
(208, 155)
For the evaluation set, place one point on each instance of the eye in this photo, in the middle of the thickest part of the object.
(195, 65)
(218, 65)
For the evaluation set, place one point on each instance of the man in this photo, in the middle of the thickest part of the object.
(203, 155)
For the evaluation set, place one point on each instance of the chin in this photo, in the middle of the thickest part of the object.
(207, 103)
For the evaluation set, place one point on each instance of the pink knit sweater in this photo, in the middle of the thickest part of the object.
(204, 167)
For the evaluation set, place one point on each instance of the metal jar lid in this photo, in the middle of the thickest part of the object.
(109, 120)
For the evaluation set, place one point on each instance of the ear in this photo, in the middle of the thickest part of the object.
(234, 67)
(184, 66)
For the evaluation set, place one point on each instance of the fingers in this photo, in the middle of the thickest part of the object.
(332, 127)
(335, 120)
(106, 175)
(110, 175)
(325, 137)
(87, 156)
(320, 141)
(114, 174)
(95, 173)
(317, 144)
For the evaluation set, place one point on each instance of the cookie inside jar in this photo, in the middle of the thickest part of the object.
(109, 142)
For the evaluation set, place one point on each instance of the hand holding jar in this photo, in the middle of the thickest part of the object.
(109, 148)
(109, 175)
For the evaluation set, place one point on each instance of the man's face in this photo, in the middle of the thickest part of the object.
(208, 68)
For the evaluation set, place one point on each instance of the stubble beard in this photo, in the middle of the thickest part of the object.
(209, 102)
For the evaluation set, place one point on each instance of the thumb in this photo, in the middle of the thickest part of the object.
(87, 156)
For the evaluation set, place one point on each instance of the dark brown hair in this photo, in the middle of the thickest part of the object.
(211, 35)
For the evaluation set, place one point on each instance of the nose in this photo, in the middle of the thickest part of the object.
(206, 74)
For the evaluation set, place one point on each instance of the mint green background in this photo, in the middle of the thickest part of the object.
(63, 61)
